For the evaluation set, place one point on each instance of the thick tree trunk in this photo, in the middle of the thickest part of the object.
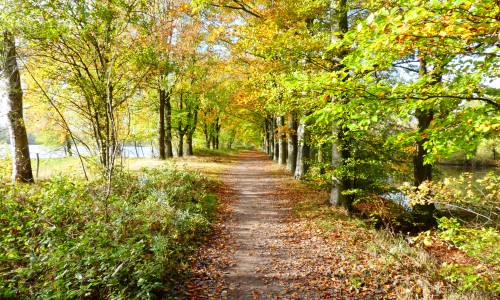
(303, 151)
(421, 171)
(336, 196)
(180, 145)
(21, 167)
(341, 147)
(168, 126)
(189, 144)
(282, 140)
(181, 131)
(292, 143)
(161, 124)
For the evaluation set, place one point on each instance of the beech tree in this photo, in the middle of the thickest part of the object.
(21, 163)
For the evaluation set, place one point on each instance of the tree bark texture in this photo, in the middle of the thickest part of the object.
(292, 143)
(161, 124)
(168, 125)
(282, 140)
(21, 163)
(276, 142)
(303, 152)
(341, 145)
(190, 132)
(421, 171)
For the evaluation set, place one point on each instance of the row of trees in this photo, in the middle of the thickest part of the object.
(366, 90)
(103, 73)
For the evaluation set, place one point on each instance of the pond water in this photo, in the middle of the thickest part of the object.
(445, 171)
(53, 152)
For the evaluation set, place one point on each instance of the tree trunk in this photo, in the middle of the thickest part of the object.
(270, 137)
(282, 140)
(168, 126)
(180, 146)
(276, 140)
(189, 144)
(341, 145)
(321, 158)
(161, 124)
(67, 140)
(336, 196)
(207, 135)
(265, 139)
(217, 133)
(21, 167)
(292, 143)
(180, 130)
(421, 171)
(303, 151)
(190, 133)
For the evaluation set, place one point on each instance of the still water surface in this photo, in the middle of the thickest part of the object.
(51, 152)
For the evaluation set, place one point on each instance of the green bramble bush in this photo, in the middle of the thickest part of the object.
(60, 239)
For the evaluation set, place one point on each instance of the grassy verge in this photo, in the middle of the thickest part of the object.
(63, 239)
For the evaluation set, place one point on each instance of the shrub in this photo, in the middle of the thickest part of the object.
(471, 224)
(60, 239)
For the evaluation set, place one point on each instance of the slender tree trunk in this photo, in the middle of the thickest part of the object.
(292, 143)
(161, 124)
(180, 130)
(217, 133)
(21, 163)
(270, 138)
(276, 140)
(67, 140)
(168, 125)
(265, 139)
(282, 140)
(190, 133)
(207, 135)
(303, 151)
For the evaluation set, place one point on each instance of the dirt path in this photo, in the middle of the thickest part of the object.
(254, 223)
(261, 250)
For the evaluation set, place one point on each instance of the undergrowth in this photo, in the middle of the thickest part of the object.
(416, 268)
(61, 239)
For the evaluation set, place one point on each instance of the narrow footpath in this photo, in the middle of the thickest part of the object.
(254, 227)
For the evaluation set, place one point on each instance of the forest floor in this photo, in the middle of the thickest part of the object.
(277, 239)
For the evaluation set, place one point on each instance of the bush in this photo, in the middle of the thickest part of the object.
(471, 223)
(60, 239)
